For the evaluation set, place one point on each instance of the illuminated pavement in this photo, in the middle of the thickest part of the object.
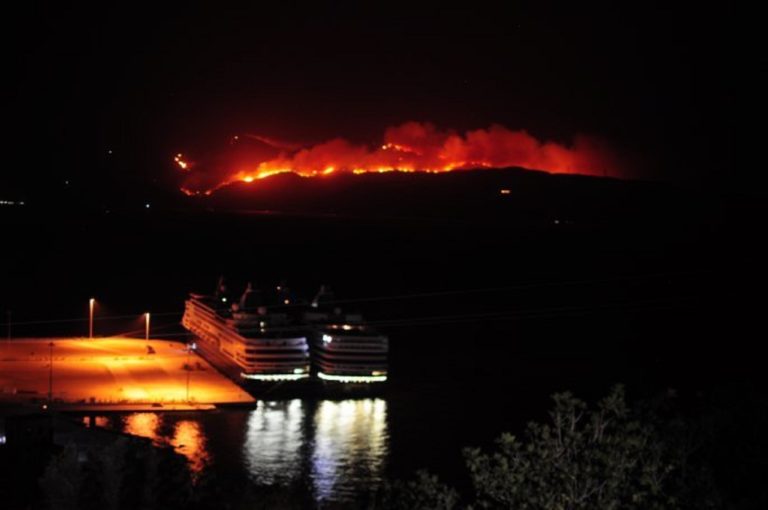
(111, 371)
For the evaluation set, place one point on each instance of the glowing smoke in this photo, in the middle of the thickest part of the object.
(410, 147)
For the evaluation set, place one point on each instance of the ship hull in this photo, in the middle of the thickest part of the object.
(257, 363)
(269, 355)
(258, 389)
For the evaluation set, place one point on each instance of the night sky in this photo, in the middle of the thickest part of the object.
(146, 81)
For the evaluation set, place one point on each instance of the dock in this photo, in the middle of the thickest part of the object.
(112, 374)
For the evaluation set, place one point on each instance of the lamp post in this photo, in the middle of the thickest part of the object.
(91, 302)
(50, 374)
(146, 326)
(189, 369)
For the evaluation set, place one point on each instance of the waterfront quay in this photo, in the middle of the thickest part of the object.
(119, 374)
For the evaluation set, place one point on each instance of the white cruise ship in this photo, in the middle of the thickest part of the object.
(344, 349)
(246, 339)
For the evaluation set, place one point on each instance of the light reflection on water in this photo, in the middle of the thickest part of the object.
(143, 424)
(186, 436)
(350, 446)
(189, 440)
(273, 440)
(338, 449)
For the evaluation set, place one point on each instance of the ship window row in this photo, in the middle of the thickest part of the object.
(276, 342)
(297, 350)
(351, 347)
(203, 311)
(351, 355)
(358, 339)
(273, 362)
(276, 359)
(325, 361)
(360, 369)
(288, 367)
(351, 343)
(234, 338)
(350, 352)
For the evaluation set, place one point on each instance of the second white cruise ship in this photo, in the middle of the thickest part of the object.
(344, 348)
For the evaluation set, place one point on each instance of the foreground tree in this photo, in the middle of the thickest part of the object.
(608, 457)
(602, 458)
(119, 475)
(425, 492)
(62, 480)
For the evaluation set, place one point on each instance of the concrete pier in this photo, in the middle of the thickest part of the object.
(111, 373)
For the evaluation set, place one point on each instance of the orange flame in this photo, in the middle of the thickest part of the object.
(181, 163)
(421, 147)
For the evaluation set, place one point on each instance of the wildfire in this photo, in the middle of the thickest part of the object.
(181, 163)
(412, 147)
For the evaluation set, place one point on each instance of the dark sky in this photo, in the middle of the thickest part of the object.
(148, 80)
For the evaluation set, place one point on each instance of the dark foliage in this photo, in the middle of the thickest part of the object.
(609, 456)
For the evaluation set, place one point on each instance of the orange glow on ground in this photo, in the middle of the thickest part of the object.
(111, 371)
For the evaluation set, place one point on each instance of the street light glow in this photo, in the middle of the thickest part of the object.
(91, 303)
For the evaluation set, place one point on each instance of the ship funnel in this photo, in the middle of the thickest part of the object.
(221, 288)
(324, 295)
(244, 297)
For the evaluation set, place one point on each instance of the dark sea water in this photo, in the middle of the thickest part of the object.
(486, 320)
(331, 451)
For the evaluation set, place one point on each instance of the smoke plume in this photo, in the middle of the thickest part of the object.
(409, 147)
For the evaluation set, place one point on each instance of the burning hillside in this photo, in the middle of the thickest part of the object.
(410, 147)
